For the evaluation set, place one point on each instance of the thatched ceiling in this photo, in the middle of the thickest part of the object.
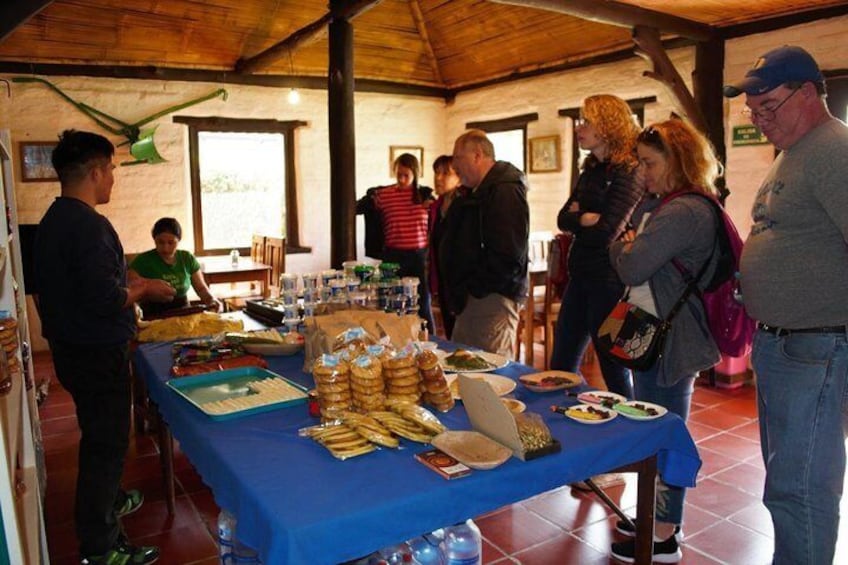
(437, 45)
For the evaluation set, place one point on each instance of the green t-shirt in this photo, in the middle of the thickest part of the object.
(151, 266)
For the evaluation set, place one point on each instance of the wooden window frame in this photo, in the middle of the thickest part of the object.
(508, 124)
(218, 124)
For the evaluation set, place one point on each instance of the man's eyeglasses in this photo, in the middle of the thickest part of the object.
(767, 114)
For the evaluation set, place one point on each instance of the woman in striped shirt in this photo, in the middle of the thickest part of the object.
(404, 210)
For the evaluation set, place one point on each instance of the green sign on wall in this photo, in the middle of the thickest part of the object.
(748, 135)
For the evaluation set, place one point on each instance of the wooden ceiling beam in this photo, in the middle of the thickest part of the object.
(418, 16)
(621, 15)
(14, 13)
(304, 36)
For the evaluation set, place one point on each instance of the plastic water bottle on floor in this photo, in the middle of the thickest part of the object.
(463, 544)
(231, 550)
(396, 554)
(426, 551)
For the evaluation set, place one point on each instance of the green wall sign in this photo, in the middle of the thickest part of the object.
(748, 135)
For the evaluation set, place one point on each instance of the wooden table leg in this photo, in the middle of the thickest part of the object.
(166, 458)
(529, 310)
(645, 502)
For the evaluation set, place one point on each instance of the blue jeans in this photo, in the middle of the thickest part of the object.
(677, 398)
(802, 399)
(585, 306)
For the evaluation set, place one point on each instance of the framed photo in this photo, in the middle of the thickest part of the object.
(35, 161)
(544, 154)
(396, 151)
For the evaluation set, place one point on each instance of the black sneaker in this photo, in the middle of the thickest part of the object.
(124, 554)
(625, 529)
(667, 551)
(131, 501)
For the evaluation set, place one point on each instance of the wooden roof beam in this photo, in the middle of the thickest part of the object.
(621, 15)
(418, 16)
(17, 12)
(304, 36)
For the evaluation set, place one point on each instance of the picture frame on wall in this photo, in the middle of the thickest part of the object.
(36, 164)
(396, 151)
(545, 154)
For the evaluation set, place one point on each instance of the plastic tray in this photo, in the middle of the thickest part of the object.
(231, 383)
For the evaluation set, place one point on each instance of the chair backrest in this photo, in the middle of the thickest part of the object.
(257, 248)
(539, 244)
(275, 255)
(551, 296)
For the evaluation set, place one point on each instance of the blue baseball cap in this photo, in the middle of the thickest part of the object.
(778, 66)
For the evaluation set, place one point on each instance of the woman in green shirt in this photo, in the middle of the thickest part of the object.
(179, 268)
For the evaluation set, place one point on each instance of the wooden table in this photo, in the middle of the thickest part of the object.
(537, 272)
(220, 270)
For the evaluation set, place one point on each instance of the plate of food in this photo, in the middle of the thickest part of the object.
(501, 385)
(272, 342)
(640, 410)
(602, 397)
(590, 414)
(548, 381)
(465, 361)
(472, 448)
(513, 405)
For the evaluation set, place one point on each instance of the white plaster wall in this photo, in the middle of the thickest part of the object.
(546, 95)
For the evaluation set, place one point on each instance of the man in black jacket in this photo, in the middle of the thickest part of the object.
(484, 251)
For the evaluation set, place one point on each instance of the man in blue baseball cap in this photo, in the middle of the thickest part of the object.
(794, 267)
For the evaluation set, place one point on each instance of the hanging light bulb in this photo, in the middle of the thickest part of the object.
(294, 96)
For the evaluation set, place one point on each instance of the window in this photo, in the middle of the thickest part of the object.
(242, 182)
(509, 136)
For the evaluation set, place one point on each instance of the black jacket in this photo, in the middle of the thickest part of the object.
(607, 190)
(484, 246)
(375, 240)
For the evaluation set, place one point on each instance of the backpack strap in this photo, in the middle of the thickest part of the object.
(684, 272)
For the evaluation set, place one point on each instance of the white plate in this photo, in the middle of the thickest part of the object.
(599, 396)
(661, 410)
(497, 362)
(472, 448)
(273, 349)
(513, 405)
(536, 381)
(611, 414)
(501, 385)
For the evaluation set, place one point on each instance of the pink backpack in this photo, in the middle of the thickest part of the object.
(731, 327)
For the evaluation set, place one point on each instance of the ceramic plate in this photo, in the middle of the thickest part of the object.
(494, 360)
(548, 381)
(602, 397)
(472, 448)
(647, 410)
(501, 385)
(587, 411)
(513, 405)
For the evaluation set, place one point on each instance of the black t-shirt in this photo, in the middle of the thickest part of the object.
(81, 276)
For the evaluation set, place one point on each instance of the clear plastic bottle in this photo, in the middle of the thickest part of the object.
(463, 544)
(234, 257)
(230, 549)
(426, 551)
(395, 554)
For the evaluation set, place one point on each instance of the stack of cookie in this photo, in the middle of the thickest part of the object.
(332, 381)
(401, 376)
(366, 383)
(433, 383)
(9, 342)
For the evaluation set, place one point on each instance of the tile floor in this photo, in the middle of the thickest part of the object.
(725, 520)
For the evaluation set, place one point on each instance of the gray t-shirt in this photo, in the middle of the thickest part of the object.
(795, 260)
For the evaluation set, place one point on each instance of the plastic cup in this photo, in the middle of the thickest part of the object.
(288, 282)
(310, 280)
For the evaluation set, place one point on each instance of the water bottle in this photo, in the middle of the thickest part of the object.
(230, 549)
(463, 544)
(426, 551)
(234, 257)
(396, 554)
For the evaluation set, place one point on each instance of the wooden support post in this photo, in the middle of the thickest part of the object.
(342, 141)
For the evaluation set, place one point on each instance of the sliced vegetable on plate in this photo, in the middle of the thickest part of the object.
(640, 410)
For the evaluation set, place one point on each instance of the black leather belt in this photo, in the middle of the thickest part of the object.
(788, 331)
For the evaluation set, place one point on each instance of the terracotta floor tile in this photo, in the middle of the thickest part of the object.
(142, 446)
(59, 425)
(140, 467)
(718, 418)
(59, 507)
(700, 431)
(712, 462)
(491, 554)
(707, 397)
(696, 520)
(62, 541)
(733, 544)
(187, 544)
(719, 498)
(562, 548)
(755, 517)
(61, 442)
(692, 556)
(745, 476)
(741, 407)
(152, 487)
(600, 535)
(190, 480)
(751, 431)
(515, 528)
(153, 518)
(568, 509)
(732, 446)
(204, 503)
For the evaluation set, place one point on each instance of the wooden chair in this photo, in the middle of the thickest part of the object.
(257, 253)
(275, 255)
(546, 306)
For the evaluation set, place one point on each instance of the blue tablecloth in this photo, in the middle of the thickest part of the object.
(296, 504)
